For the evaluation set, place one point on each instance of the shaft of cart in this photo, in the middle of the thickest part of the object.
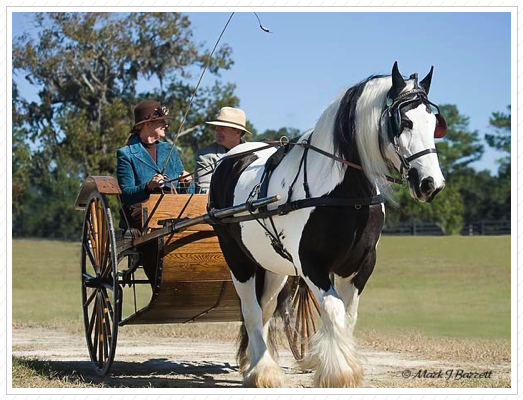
(172, 227)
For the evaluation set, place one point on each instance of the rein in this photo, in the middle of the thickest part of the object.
(309, 146)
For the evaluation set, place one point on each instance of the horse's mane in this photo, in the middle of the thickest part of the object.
(356, 128)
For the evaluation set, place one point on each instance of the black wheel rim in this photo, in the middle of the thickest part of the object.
(101, 293)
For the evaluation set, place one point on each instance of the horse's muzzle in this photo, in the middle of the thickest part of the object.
(429, 190)
(424, 191)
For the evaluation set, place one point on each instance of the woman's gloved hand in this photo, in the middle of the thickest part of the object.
(156, 182)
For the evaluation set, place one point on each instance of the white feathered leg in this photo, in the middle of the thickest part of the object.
(263, 370)
(351, 298)
(333, 352)
(272, 287)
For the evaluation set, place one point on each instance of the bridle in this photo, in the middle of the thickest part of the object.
(392, 114)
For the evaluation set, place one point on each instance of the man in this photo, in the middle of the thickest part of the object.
(230, 129)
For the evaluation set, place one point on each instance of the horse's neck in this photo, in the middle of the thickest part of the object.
(324, 174)
(329, 176)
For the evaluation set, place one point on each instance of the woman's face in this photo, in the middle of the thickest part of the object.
(156, 129)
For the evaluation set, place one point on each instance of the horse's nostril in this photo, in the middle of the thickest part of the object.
(427, 186)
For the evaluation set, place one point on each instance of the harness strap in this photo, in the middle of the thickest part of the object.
(330, 202)
(421, 154)
(335, 158)
(305, 180)
(283, 209)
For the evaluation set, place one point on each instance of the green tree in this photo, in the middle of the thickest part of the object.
(456, 152)
(21, 158)
(446, 210)
(501, 186)
(500, 139)
(461, 146)
(85, 67)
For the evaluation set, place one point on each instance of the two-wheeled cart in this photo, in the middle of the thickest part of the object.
(192, 280)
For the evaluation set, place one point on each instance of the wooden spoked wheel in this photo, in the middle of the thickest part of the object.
(101, 301)
(301, 321)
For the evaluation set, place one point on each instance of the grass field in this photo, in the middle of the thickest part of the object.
(436, 298)
(440, 286)
(449, 286)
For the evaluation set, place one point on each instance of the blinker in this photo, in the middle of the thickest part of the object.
(441, 127)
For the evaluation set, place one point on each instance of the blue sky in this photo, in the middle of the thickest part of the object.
(288, 77)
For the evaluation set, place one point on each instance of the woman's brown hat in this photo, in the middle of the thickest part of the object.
(149, 110)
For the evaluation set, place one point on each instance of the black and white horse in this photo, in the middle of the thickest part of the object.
(384, 122)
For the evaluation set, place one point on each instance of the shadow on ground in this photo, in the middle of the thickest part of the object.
(158, 373)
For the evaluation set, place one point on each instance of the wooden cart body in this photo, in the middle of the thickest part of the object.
(193, 281)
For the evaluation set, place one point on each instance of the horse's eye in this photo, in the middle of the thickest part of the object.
(406, 123)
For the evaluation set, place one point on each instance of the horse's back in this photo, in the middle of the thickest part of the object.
(225, 179)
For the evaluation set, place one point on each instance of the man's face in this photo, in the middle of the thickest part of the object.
(228, 137)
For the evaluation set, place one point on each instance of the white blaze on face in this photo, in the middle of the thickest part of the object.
(419, 138)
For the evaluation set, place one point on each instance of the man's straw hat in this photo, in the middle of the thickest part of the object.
(231, 117)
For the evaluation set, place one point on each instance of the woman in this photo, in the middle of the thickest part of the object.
(140, 161)
(139, 170)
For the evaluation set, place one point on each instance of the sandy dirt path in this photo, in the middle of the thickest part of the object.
(184, 362)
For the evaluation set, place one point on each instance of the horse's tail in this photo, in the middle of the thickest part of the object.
(241, 355)
(299, 311)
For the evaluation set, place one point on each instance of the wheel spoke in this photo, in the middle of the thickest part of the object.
(90, 255)
(101, 334)
(108, 303)
(315, 302)
(96, 232)
(303, 325)
(310, 312)
(92, 323)
(108, 317)
(107, 286)
(297, 324)
(90, 299)
(101, 229)
(94, 253)
(105, 267)
(95, 319)
(105, 335)
(296, 289)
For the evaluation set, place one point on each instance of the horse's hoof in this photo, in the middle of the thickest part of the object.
(265, 376)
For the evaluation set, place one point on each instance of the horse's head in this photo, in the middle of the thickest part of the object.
(410, 123)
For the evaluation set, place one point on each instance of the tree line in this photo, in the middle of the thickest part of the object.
(86, 66)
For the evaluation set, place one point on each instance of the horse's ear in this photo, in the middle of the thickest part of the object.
(398, 83)
(425, 83)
